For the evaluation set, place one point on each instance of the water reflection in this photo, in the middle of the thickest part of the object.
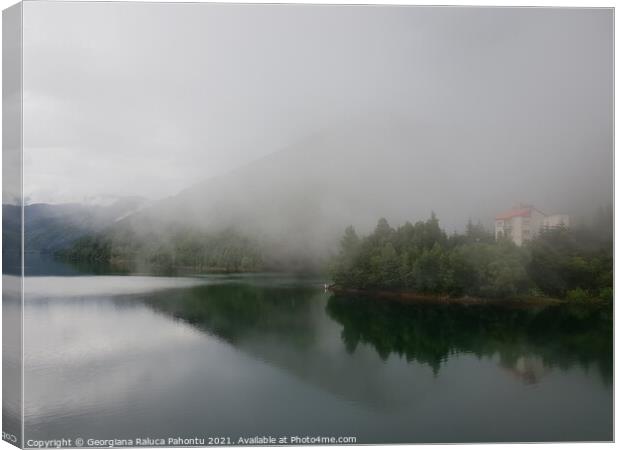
(528, 340)
(243, 355)
(236, 311)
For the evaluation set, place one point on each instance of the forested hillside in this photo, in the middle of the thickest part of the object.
(421, 257)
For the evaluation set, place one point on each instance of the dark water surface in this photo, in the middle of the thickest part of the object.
(239, 356)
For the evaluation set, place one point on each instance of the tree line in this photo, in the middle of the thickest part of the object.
(421, 257)
(170, 251)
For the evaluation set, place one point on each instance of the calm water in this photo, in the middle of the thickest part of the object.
(239, 356)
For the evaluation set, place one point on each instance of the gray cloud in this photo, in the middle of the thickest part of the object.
(148, 99)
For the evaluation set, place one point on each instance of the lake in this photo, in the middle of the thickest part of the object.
(275, 355)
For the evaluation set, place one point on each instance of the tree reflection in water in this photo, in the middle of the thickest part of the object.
(528, 340)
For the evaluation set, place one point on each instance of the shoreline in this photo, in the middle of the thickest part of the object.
(417, 297)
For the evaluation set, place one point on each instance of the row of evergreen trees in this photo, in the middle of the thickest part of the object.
(170, 251)
(422, 258)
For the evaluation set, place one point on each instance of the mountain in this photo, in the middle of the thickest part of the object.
(297, 201)
(51, 227)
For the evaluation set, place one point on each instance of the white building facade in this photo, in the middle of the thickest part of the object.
(524, 222)
(556, 220)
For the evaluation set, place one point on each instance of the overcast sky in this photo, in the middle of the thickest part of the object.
(147, 99)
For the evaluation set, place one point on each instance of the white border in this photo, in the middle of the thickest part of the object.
(501, 3)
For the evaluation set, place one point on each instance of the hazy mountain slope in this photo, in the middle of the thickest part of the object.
(51, 227)
(297, 201)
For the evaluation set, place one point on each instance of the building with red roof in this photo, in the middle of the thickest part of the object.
(524, 222)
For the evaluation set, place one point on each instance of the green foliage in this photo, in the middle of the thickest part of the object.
(493, 270)
(421, 258)
(171, 251)
(89, 248)
(578, 295)
(606, 294)
(564, 261)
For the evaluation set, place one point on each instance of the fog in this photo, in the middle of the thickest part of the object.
(282, 117)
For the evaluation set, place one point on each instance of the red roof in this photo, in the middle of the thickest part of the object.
(521, 212)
